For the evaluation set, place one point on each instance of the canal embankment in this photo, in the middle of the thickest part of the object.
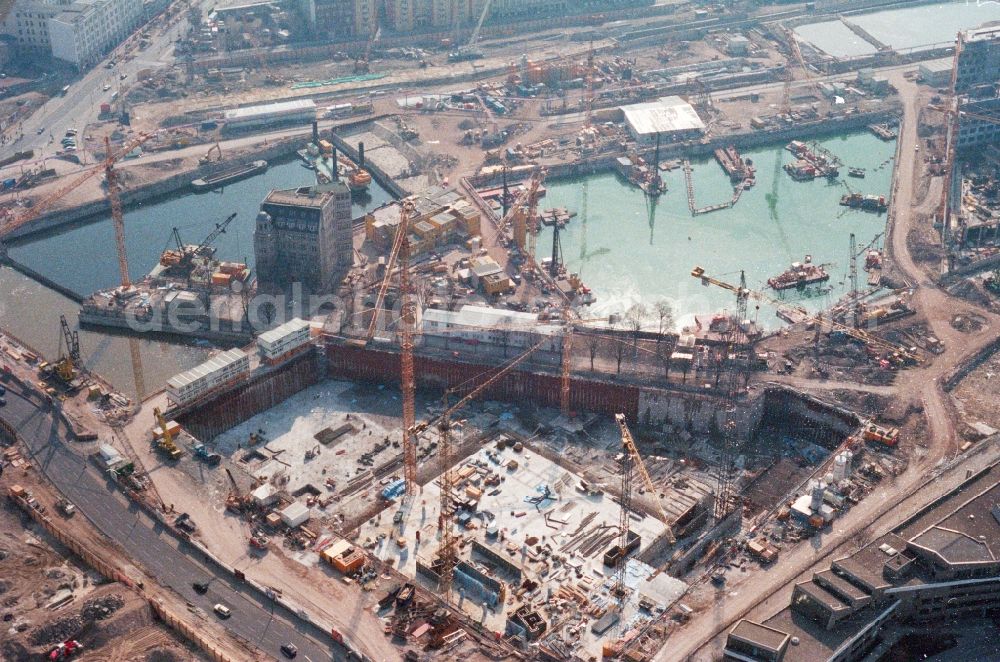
(181, 182)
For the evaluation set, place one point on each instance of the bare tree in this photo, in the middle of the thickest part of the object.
(613, 323)
(663, 353)
(634, 317)
(665, 314)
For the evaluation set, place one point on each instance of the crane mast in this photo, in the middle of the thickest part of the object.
(623, 523)
(117, 214)
(446, 552)
(446, 555)
(397, 244)
(628, 444)
(408, 380)
(735, 342)
(855, 303)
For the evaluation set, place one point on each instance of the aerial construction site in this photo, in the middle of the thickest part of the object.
(505, 330)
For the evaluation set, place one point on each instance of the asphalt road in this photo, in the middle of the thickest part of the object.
(174, 562)
(81, 104)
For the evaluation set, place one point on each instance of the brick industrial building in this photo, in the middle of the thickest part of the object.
(304, 235)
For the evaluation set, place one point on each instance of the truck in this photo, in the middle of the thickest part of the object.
(763, 551)
(66, 507)
(201, 451)
(882, 435)
(185, 523)
(24, 498)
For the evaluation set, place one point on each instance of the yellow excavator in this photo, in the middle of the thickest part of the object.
(164, 437)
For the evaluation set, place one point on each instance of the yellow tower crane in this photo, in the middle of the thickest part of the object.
(628, 446)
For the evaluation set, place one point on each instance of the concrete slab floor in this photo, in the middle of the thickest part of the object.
(290, 431)
(546, 525)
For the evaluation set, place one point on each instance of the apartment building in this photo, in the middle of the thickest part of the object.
(28, 24)
(978, 59)
(939, 567)
(341, 19)
(86, 30)
(979, 123)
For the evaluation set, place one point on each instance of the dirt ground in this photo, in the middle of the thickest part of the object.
(110, 620)
(976, 398)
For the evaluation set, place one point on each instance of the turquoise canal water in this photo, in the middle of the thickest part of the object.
(902, 29)
(620, 254)
(83, 259)
(626, 257)
(835, 38)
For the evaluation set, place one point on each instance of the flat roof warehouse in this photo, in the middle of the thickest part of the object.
(667, 115)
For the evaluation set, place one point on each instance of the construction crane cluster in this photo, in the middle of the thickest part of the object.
(113, 191)
(823, 322)
(442, 422)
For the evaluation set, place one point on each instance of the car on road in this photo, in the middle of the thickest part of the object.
(106, 87)
(122, 76)
(289, 650)
(200, 587)
(3, 401)
(222, 610)
(41, 130)
(71, 132)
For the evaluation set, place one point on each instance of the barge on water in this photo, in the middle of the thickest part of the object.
(145, 309)
(883, 131)
(867, 202)
(188, 293)
(556, 216)
(733, 163)
(810, 163)
(799, 274)
(229, 175)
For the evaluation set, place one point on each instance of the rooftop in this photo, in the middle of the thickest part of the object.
(304, 196)
(815, 641)
(867, 563)
(759, 635)
(279, 332)
(490, 318)
(271, 108)
(982, 33)
(939, 65)
(970, 534)
(817, 593)
(664, 115)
